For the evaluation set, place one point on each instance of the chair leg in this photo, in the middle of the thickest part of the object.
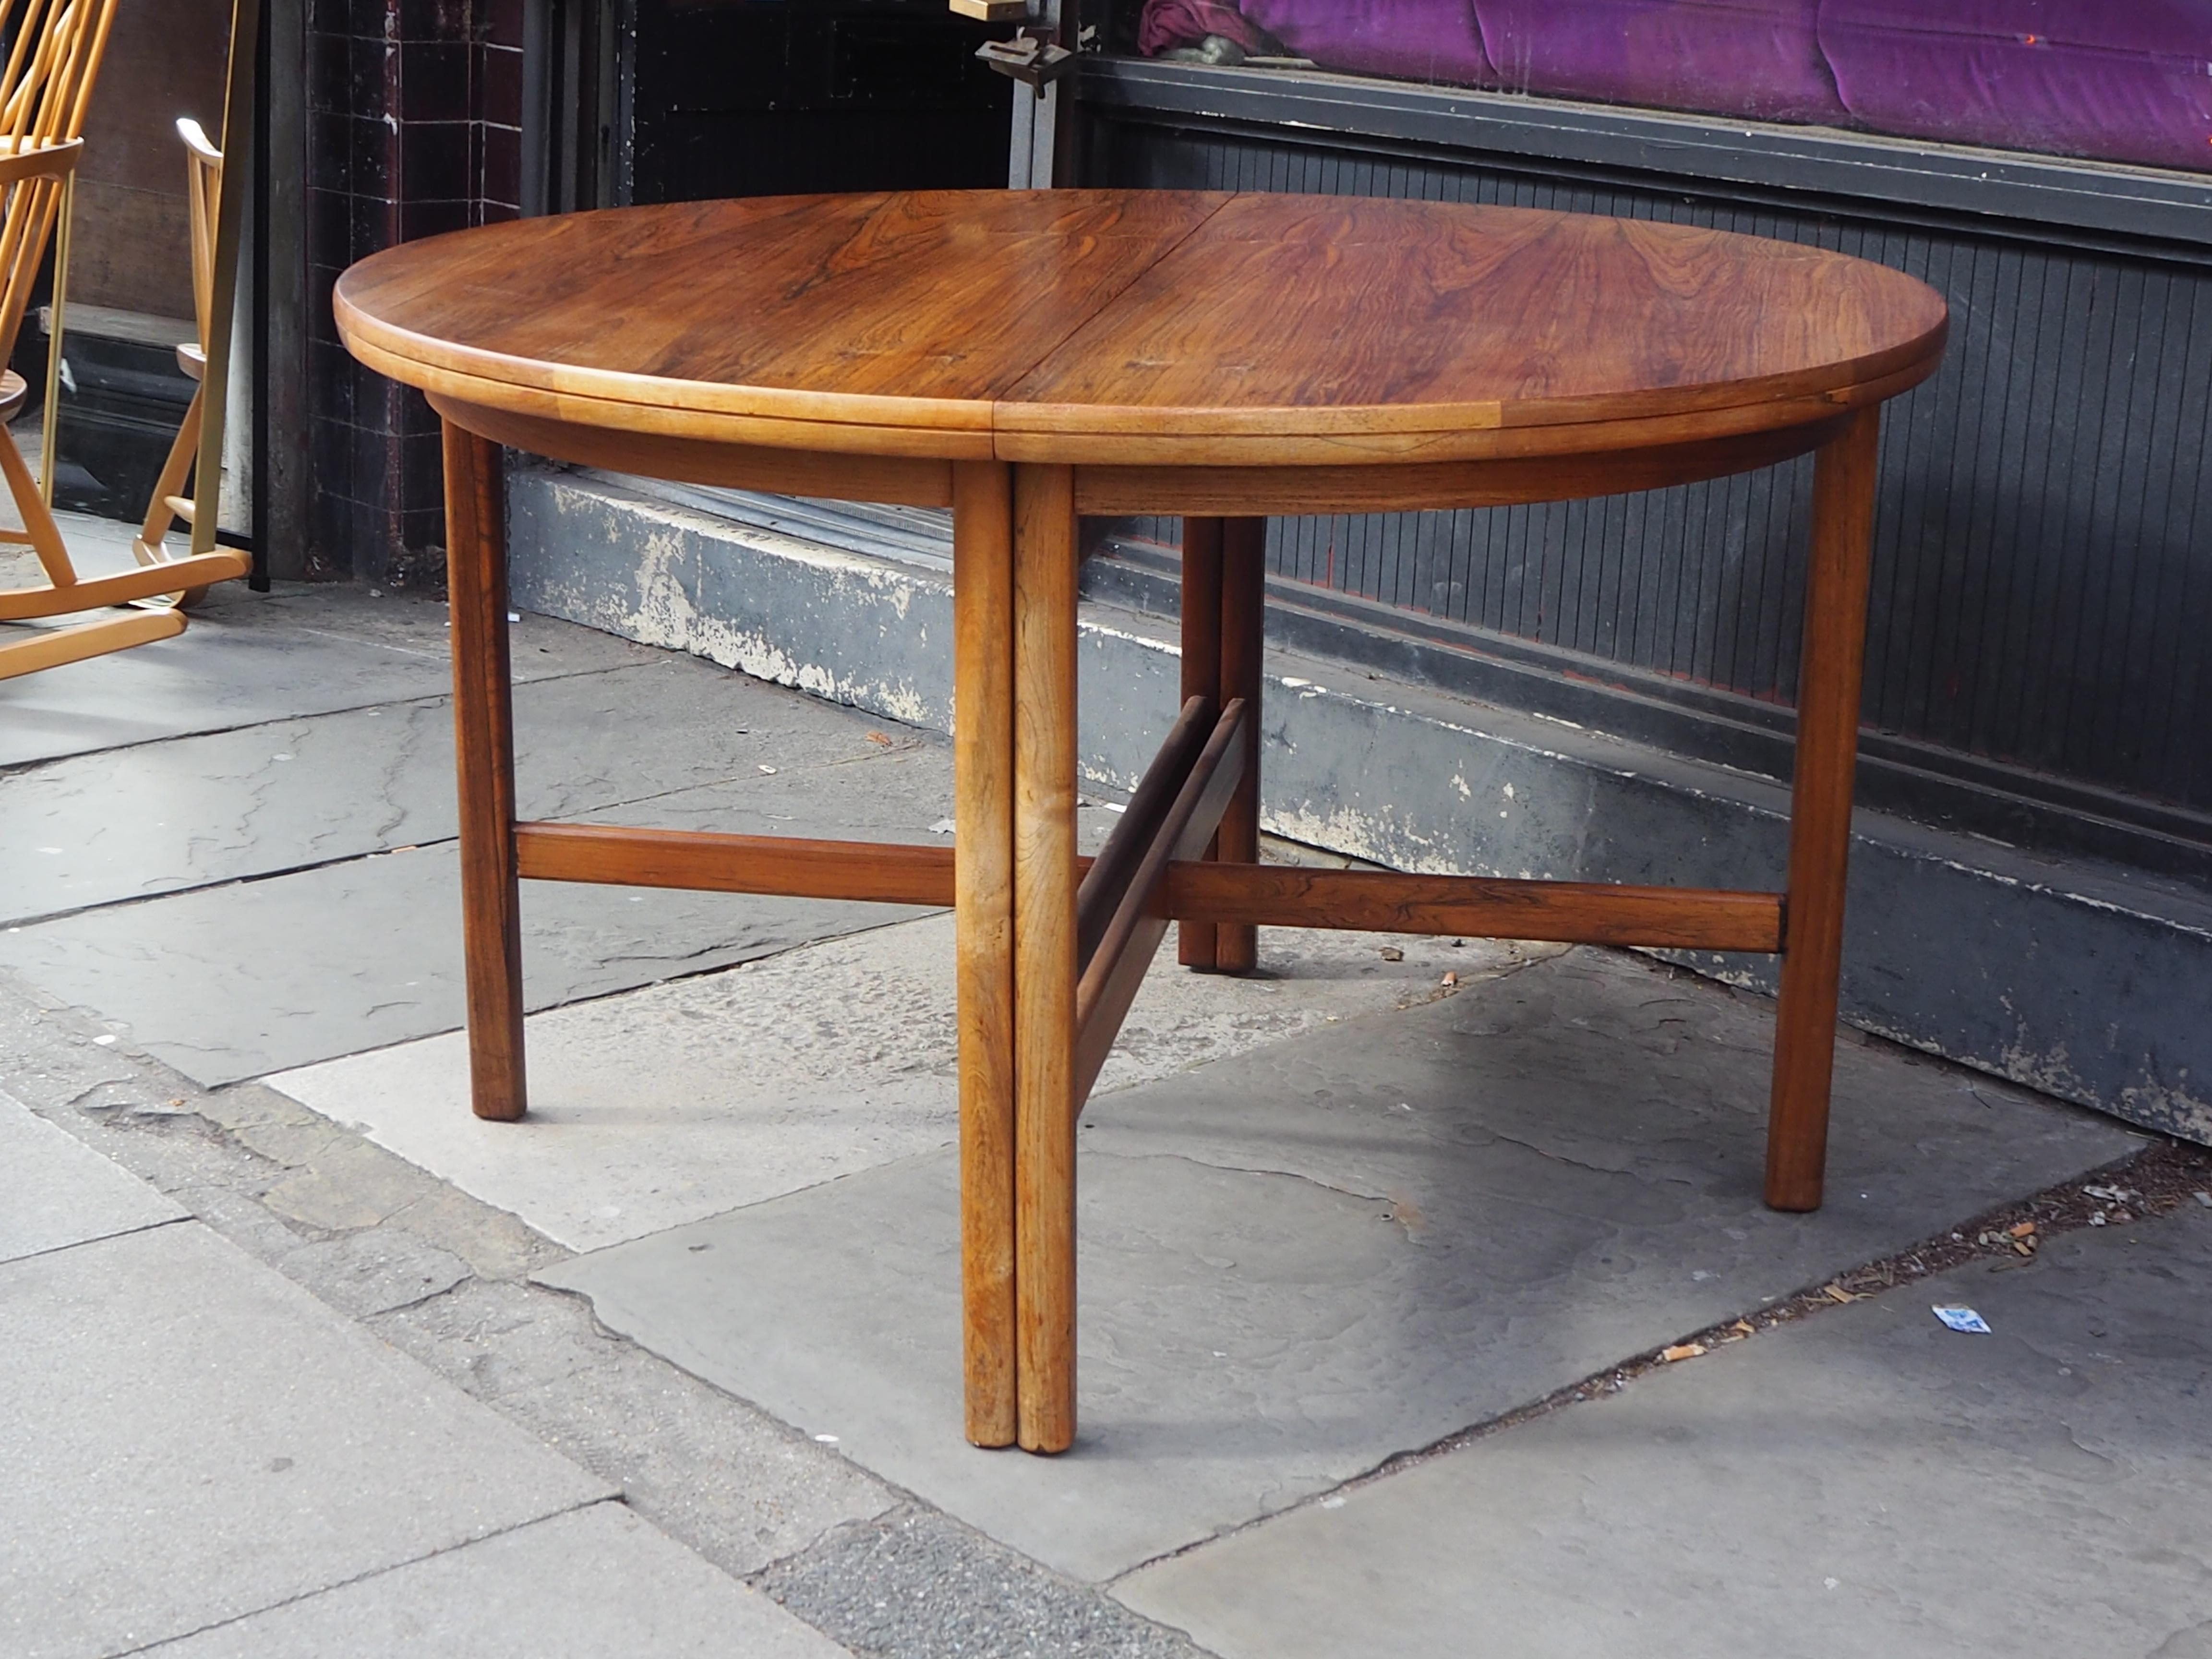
(1820, 813)
(484, 727)
(162, 512)
(159, 515)
(38, 521)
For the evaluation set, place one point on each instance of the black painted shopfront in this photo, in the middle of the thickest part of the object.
(2039, 678)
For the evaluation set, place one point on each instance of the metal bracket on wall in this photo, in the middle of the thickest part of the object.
(1041, 147)
(1032, 57)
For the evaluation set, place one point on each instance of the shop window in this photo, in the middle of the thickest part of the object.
(2124, 81)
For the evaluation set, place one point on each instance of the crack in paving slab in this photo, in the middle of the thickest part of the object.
(1866, 1482)
(586, 1392)
(755, 1496)
(2162, 1178)
(696, 1095)
(187, 1641)
(241, 667)
(218, 982)
(1570, 1168)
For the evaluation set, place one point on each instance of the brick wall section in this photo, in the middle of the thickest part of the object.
(414, 128)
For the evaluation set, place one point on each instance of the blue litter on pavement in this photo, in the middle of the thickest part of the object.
(1963, 1319)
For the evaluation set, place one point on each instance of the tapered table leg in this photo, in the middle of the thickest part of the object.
(1243, 617)
(983, 879)
(1821, 813)
(484, 732)
(1045, 560)
(1201, 677)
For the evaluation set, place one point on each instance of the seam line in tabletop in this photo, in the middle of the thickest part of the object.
(989, 417)
(1108, 301)
(1901, 337)
(385, 347)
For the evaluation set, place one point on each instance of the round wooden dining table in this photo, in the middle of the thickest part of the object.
(1028, 358)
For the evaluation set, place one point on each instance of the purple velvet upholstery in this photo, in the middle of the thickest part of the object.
(1166, 24)
(2114, 80)
(2025, 74)
(1417, 40)
(1754, 58)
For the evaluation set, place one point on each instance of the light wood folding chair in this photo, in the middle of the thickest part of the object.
(44, 93)
(170, 505)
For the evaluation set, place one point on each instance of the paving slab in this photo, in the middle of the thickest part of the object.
(190, 1437)
(1866, 1483)
(155, 817)
(230, 982)
(248, 658)
(374, 1271)
(1299, 1261)
(55, 1191)
(685, 1100)
(539, 647)
(159, 818)
(733, 1483)
(917, 1583)
(597, 1584)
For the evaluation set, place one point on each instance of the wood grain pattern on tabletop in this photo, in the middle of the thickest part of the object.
(920, 308)
(1339, 315)
(1124, 328)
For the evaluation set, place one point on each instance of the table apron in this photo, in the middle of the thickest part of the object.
(1438, 486)
(817, 474)
(1197, 491)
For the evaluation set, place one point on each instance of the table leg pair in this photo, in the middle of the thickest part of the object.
(1030, 1036)
(1050, 947)
(1023, 939)
(1014, 595)
(1021, 1089)
(1225, 572)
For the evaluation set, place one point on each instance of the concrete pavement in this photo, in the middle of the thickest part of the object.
(670, 1367)
(202, 1453)
(1868, 1484)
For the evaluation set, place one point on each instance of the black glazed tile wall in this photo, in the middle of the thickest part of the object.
(414, 129)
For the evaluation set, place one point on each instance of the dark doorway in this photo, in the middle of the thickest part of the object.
(773, 97)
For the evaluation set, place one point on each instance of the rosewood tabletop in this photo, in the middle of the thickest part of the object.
(1122, 327)
(1030, 357)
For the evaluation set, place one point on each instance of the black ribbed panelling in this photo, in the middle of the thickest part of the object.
(2043, 574)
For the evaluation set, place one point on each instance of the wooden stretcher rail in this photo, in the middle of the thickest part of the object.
(1110, 979)
(1268, 896)
(1384, 901)
(885, 872)
(1107, 879)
